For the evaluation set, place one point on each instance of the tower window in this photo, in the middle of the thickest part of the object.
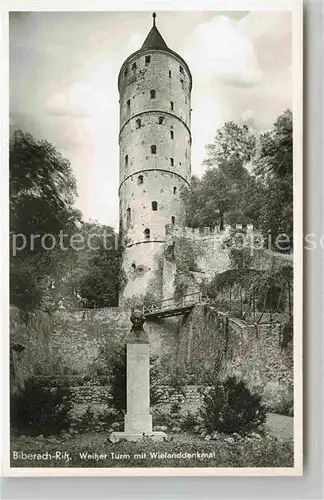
(173, 220)
(138, 123)
(170, 73)
(171, 162)
(128, 104)
(171, 134)
(140, 179)
(134, 66)
(126, 160)
(128, 217)
(147, 60)
(153, 149)
(147, 234)
(152, 94)
(174, 190)
(171, 105)
(154, 206)
(181, 69)
(126, 71)
(161, 120)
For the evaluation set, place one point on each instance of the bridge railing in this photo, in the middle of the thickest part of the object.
(168, 304)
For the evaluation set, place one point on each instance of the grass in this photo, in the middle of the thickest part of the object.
(185, 450)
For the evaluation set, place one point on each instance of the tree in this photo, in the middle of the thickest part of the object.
(100, 285)
(227, 189)
(42, 194)
(90, 272)
(274, 166)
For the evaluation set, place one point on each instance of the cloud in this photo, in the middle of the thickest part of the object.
(78, 100)
(220, 48)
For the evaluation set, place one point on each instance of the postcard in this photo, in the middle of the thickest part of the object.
(155, 208)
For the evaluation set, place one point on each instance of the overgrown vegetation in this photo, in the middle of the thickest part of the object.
(248, 179)
(230, 407)
(53, 270)
(43, 406)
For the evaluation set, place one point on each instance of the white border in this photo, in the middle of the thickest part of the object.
(296, 7)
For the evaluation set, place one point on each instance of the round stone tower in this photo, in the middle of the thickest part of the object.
(155, 91)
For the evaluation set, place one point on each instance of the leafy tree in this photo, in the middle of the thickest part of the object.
(42, 194)
(274, 166)
(227, 189)
(99, 282)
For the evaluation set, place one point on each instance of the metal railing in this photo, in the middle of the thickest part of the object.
(170, 304)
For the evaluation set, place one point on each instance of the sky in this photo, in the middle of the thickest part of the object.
(63, 82)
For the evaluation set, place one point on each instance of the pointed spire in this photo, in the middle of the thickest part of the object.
(154, 39)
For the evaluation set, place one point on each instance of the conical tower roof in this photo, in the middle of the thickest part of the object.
(154, 39)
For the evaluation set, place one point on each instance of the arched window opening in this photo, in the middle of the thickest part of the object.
(170, 73)
(126, 160)
(161, 120)
(171, 105)
(174, 190)
(152, 94)
(140, 179)
(134, 66)
(181, 69)
(171, 162)
(173, 220)
(147, 60)
(128, 217)
(126, 71)
(154, 206)
(147, 234)
(153, 149)
(128, 104)
(138, 123)
(133, 266)
(171, 134)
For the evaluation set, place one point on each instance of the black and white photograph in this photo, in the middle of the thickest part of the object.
(155, 194)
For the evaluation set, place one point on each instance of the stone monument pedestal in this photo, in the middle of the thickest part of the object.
(138, 421)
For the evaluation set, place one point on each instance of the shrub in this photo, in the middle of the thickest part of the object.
(107, 417)
(161, 417)
(86, 422)
(278, 399)
(230, 407)
(189, 421)
(42, 407)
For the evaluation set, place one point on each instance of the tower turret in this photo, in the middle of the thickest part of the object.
(155, 90)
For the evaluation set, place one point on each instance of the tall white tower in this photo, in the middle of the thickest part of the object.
(155, 141)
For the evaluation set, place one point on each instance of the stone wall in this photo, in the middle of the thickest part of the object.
(78, 335)
(255, 353)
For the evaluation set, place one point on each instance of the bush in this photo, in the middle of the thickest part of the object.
(161, 417)
(86, 422)
(278, 399)
(43, 406)
(189, 421)
(230, 407)
(107, 417)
